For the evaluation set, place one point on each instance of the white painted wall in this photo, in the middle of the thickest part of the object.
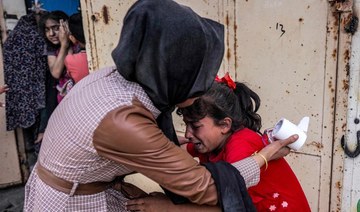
(13, 7)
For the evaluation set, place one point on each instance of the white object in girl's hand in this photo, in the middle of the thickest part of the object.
(284, 129)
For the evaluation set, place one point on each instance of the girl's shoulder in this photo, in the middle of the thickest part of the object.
(245, 139)
(246, 134)
(242, 144)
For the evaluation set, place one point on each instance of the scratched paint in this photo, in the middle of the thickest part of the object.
(105, 14)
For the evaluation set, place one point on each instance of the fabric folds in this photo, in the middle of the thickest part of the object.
(25, 72)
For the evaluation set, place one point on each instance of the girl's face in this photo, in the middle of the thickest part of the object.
(206, 135)
(52, 31)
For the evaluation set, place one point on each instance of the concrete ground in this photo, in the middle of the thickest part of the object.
(12, 199)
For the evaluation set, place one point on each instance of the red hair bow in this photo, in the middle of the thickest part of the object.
(227, 80)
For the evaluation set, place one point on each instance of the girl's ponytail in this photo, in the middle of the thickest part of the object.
(249, 103)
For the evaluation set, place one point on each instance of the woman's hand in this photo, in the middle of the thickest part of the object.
(160, 202)
(275, 150)
(155, 202)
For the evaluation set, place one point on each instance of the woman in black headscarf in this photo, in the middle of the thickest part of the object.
(118, 120)
(171, 52)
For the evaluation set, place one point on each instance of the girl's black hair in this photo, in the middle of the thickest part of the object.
(55, 15)
(76, 27)
(241, 105)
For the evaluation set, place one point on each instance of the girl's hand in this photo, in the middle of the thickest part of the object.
(64, 33)
(3, 89)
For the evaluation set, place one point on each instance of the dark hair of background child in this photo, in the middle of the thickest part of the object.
(76, 27)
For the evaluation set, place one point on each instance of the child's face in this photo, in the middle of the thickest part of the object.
(52, 31)
(206, 136)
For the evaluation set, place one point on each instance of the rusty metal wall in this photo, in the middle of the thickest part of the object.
(291, 53)
(294, 54)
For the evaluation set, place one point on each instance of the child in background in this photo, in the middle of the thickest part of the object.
(54, 28)
(77, 64)
(223, 125)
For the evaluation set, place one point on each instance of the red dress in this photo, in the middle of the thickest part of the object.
(278, 189)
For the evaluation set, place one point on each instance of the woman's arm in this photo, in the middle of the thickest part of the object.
(248, 167)
(130, 136)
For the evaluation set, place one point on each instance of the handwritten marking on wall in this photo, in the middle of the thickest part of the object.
(281, 28)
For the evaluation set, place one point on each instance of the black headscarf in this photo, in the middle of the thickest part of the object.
(173, 53)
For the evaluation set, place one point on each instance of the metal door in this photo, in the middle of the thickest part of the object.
(294, 54)
(288, 51)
